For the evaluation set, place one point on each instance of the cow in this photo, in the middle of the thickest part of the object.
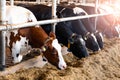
(111, 20)
(104, 23)
(73, 41)
(86, 22)
(64, 34)
(78, 27)
(21, 41)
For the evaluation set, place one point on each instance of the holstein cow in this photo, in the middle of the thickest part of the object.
(20, 41)
(86, 22)
(89, 26)
(111, 19)
(104, 23)
(64, 34)
(78, 27)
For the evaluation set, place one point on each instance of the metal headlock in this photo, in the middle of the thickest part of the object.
(53, 21)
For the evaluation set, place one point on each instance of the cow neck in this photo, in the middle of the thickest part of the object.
(42, 36)
(37, 35)
(47, 40)
(42, 48)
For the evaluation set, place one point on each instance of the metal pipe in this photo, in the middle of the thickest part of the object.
(96, 7)
(2, 50)
(43, 22)
(54, 3)
(83, 1)
(2, 34)
(12, 2)
(3, 11)
(38, 1)
(58, 1)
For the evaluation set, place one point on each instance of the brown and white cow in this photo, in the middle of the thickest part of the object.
(20, 41)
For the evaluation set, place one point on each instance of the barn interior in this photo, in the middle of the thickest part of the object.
(99, 65)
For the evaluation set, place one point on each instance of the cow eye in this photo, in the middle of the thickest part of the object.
(17, 54)
(25, 42)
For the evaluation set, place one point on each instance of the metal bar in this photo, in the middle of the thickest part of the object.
(54, 3)
(96, 7)
(84, 1)
(43, 22)
(38, 1)
(58, 1)
(2, 34)
(11, 2)
(2, 50)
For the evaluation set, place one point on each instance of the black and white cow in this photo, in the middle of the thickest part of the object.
(90, 27)
(104, 23)
(78, 27)
(64, 34)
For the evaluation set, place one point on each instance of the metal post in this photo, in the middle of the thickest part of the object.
(110, 1)
(11, 2)
(84, 1)
(54, 3)
(2, 34)
(38, 1)
(58, 1)
(96, 6)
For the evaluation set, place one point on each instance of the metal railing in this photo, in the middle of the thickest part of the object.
(50, 21)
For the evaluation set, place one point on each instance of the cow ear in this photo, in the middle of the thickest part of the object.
(52, 35)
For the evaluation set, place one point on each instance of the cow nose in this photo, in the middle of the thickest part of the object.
(63, 67)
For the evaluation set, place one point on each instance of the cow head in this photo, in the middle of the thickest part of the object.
(91, 42)
(53, 52)
(76, 44)
(18, 45)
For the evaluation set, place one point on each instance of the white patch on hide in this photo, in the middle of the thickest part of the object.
(19, 48)
(57, 46)
(83, 42)
(101, 36)
(117, 28)
(19, 15)
(8, 33)
(78, 10)
(95, 39)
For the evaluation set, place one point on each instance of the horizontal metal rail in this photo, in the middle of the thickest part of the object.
(43, 22)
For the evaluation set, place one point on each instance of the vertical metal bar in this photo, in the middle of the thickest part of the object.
(96, 6)
(12, 2)
(84, 1)
(58, 1)
(38, 1)
(2, 34)
(2, 50)
(54, 3)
